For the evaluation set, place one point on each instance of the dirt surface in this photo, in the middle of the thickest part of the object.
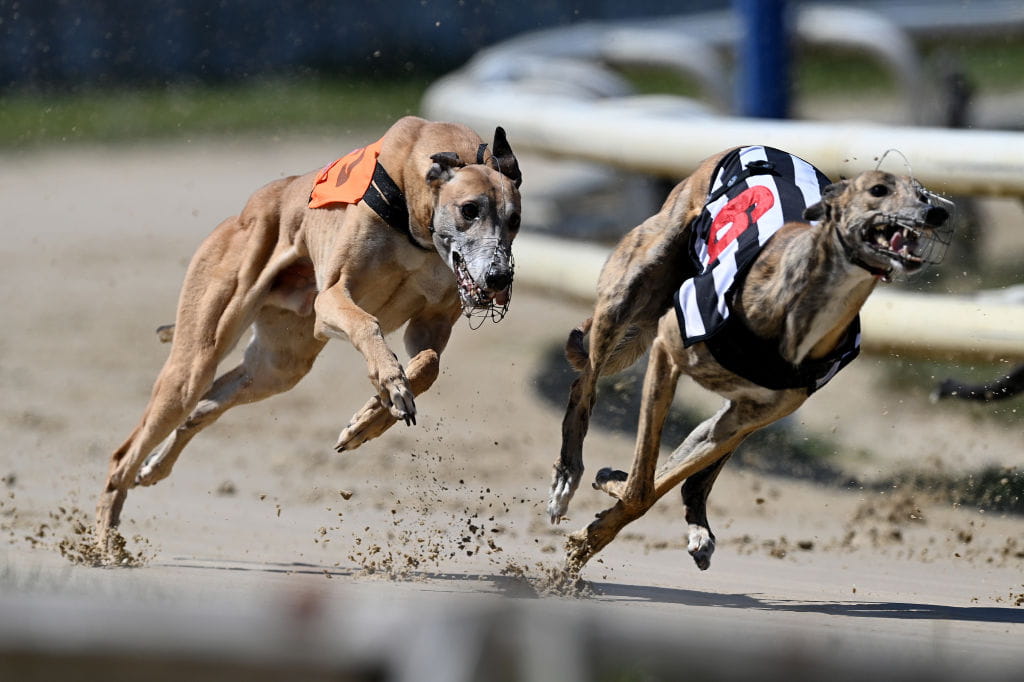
(451, 511)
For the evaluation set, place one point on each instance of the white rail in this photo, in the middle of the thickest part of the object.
(619, 132)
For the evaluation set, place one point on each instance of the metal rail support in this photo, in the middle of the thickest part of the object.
(762, 79)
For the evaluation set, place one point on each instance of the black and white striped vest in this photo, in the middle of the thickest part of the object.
(755, 191)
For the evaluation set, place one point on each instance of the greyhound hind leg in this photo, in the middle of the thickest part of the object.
(660, 381)
(695, 491)
(212, 315)
(175, 394)
(281, 352)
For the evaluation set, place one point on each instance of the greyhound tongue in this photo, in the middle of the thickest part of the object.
(897, 241)
(501, 298)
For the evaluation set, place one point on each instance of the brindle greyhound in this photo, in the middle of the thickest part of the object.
(434, 243)
(799, 299)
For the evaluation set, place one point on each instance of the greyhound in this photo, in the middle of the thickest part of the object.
(749, 280)
(415, 229)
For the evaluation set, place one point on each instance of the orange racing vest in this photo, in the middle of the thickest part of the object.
(346, 180)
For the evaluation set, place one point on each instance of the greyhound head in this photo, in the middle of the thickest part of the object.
(475, 219)
(888, 224)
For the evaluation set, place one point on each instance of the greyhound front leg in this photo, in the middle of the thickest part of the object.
(660, 380)
(374, 419)
(337, 316)
(635, 491)
(605, 334)
(426, 336)
(569, 467)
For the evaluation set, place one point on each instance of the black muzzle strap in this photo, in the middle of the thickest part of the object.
(387, 200)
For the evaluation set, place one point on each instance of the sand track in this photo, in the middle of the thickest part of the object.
(261, 519)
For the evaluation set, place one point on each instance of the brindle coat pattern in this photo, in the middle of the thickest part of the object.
(300, 276)
(802, 290)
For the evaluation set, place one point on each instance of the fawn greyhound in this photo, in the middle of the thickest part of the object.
(416, 228)
(749, 279)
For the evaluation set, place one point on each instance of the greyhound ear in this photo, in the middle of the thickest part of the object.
(443, 168)
(502, 159)
(815, 211)
(824, 207)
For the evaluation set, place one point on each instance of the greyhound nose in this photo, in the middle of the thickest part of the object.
(498, 280)
(936, 216)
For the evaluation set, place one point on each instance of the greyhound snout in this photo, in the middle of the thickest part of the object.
(936, 216)
(491, 263)
(498, 279)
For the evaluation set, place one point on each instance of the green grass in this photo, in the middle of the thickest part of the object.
(997, 64)
(271, 105)
(994, 66)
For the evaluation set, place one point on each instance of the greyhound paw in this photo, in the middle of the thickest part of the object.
(360, 431)
(562, 489)
(611, 481)
(701, 546)
(349, 439)
(366, 424)
(145, 477)
(400, 400)
(151, 472)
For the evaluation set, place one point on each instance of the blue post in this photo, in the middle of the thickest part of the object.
(762, 59)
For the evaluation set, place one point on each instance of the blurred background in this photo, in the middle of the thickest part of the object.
(128, 128)
(88, 69)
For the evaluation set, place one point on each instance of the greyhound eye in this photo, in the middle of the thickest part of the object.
(470, 210)
(879, 191)
(513, 221)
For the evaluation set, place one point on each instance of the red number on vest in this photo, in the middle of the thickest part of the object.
(741, 211)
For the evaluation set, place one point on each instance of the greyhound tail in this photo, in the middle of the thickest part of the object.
(631, 347)
(576, 346)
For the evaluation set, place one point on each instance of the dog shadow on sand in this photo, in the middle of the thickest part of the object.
(532, 585)
(853, 609)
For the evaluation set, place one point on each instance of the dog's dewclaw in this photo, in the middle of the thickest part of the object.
(165, 333)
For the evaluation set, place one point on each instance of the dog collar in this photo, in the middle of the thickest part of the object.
(388, 201)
